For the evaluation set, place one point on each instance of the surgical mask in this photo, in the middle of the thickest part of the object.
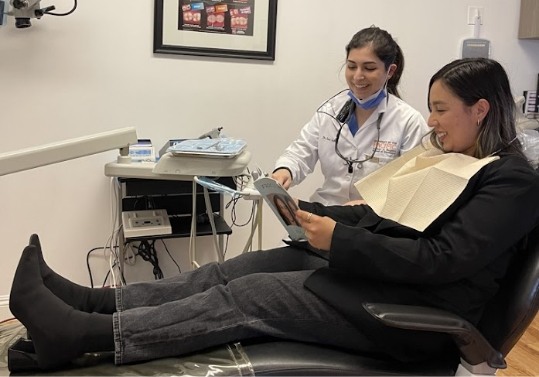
(371, 101)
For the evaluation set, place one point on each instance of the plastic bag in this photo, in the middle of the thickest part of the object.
(530, 145)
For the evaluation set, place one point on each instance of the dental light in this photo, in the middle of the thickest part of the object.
(24, 10)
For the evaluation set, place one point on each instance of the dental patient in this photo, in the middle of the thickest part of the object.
(448, 251)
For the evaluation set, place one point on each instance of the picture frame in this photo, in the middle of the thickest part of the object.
(242, 29)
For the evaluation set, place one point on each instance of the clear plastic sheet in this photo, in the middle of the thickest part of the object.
(530, 145)
(227, 360)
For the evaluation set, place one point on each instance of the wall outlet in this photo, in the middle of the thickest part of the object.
(473, 12)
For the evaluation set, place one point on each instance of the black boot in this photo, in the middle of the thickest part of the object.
(59, 332)
(99, 300)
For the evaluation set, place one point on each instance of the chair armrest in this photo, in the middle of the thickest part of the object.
(472, 345)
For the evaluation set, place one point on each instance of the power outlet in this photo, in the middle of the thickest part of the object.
(474, 12)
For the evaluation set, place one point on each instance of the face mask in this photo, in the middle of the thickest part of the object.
(371, 101)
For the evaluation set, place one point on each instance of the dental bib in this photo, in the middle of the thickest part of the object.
(416, 188)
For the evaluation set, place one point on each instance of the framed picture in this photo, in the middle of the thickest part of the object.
(220, 28)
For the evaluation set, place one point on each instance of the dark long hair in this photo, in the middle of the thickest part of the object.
(472, 79)
(385, 47)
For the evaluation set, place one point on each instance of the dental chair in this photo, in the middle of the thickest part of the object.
(482, 349)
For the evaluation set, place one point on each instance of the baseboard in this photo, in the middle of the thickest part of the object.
(4, 301)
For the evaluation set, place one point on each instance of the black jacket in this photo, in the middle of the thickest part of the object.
(454, 264)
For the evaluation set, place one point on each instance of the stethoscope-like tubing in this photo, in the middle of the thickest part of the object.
(350, 161)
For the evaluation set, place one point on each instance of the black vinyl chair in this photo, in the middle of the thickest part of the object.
(482, 349)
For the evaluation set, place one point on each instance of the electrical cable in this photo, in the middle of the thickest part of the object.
(106, 278)
(226, 246)
(320, 111)
(170, 255)
(114, 237)
(192, 233)
(144, 203)
(241, 180)
(234, 215)
(88, 254)
(211, 218)
(64, 14)
(147, 251)
(255, 224)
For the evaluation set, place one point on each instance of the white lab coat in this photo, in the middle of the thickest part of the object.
(402, 128)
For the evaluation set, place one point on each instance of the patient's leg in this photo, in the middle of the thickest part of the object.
(59, 332)
(213, 274)
(275, 304)
(100, 300)
(261, 304)
(103, 300)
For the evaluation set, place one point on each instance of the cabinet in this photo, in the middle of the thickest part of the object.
(183, 200)
(529, 19)
(177, 198)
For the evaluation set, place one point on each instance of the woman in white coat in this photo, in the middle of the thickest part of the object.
(359, 129)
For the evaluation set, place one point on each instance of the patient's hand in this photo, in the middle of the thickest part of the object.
(355, 202)
(318, 229)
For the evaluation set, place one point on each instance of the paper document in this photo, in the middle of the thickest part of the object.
(282, 204)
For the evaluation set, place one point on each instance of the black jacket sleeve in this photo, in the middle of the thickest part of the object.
(347, 215)
(499, 206)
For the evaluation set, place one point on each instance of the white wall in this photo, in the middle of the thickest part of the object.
(94, 71)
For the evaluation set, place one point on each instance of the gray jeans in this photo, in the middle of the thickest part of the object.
(256, 294)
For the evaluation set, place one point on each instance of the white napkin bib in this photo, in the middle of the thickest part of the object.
(417, 187)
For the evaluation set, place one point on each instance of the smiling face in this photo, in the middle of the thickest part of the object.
(455, 124)
(365, 72)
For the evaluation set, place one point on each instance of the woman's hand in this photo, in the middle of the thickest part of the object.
(318, 229)
(283, 177)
